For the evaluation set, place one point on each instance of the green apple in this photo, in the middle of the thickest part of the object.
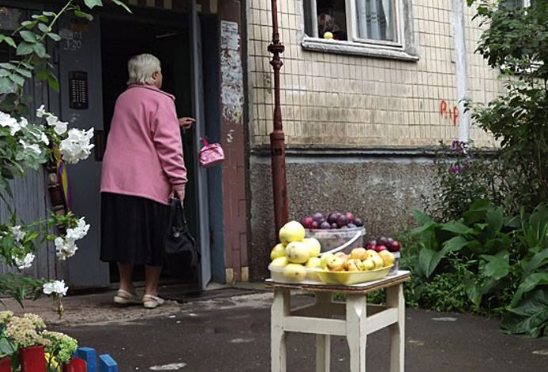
(368, 265)
(325, 258)
(279, 262)
(295, 272)
(315, 246)
(314, 262)
(292, 231)
(377, 260)
(277, 252)
(297, 252)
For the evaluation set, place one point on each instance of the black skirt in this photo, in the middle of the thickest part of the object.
(133, 229)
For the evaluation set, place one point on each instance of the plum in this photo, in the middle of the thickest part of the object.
(395, 246)
(351, 226)
(315, 225)
(342, 221)
(334, 225)
(370, 246)
(358, 222)
(325, 225)
(332, 217)
(383, 240)
(349, 216)
(307, 222)
(318, 217)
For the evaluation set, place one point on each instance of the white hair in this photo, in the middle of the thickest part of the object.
(141, 68)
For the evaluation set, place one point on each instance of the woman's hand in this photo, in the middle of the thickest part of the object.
(186, 123)
(179, 194)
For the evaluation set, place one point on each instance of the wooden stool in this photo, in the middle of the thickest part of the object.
(360, 320)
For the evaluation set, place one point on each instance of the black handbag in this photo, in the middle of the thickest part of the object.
(178, 239)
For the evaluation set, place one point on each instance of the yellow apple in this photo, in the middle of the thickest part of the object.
(377, 260)
(325, 258)
(353, 265)
(387, 257)
(315, 246)
(371, 253)
(328, 35)
(358, 254)
(277, 252)
(297, 252)
(342, 256)
(295, 272)
(335, 264)
(368, 265)
(314, 262)
(292, 231)
(279, 262)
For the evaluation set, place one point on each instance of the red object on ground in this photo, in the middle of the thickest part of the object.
(75, 365)
(5, 364)
(33, 359)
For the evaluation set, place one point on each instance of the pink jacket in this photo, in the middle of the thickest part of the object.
(144, 153)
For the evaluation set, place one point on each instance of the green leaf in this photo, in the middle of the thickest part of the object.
(23, 72)
(539, 260)
(8, 40)
(530, 283)
(530, 317)
(423, 228)
(118, 2)
(421, 217)
(44, 28)
(454, 244)
(8, 66)
(29, 24)
(25, 48)
(28, 36)
(495, 220)
(428, 261)
(4, 73)
(6, 85)
(53, 82)
(498, 266)
(79, 13)
(40, 50)
(54, 36)
(456, 227)
(17, 79)
(93, 3)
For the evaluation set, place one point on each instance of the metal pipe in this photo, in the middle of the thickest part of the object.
(277, 137)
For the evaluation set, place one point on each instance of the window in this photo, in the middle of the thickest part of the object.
(369, 27)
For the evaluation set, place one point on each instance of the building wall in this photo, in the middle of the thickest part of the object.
(355, 126)
(334, 99)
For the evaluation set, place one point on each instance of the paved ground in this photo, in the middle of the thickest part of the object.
(228, 330)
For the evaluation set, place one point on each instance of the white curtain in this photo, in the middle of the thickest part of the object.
(376, 19)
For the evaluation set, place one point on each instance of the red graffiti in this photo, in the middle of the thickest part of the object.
(448, 113)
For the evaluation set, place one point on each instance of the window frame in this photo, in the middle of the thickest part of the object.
(404, 48)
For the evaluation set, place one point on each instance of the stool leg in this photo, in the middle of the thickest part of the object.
(280, 309)
(395, 299)
(323, 353)
(356, 314)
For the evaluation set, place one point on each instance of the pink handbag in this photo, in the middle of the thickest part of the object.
(211, 154)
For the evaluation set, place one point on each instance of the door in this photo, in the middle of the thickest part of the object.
(200, 181)
(82, 106)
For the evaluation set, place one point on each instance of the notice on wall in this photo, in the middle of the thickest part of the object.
(232, 77)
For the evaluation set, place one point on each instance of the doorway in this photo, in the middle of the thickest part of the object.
(171, 44)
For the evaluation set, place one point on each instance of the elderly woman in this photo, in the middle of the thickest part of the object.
(143, 167)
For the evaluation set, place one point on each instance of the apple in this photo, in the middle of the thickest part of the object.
(350, 266)
(368, 264)
(383, 240)
(358, 253)
(313, 263)
(387, 257)
(307, 222)
(371, 253)
(295, 272)
(342, 256)
(325, 258)
(377, 260)
(358, 222)
(291, 232)
(371, 245)
(297, 252)
(396, 246)
(314, 246)
(379, 248)
(349, 216)
(335, 264)
(342, 221)
(280, 262)
(277, 252)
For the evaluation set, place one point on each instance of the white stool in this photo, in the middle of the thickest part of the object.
(360, 320)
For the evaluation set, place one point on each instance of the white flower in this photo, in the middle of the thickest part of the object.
(60, 127)
(34, 148)
(41, 112)
(23, 122)
(7, 121)
(65, 248)
(26, 262)
(18, 235)
(44, 139)
(79, 232)
(76, 146)
(52, 119)
(55, 287)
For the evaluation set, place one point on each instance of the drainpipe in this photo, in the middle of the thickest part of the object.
(462, 68)
(277, 137)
